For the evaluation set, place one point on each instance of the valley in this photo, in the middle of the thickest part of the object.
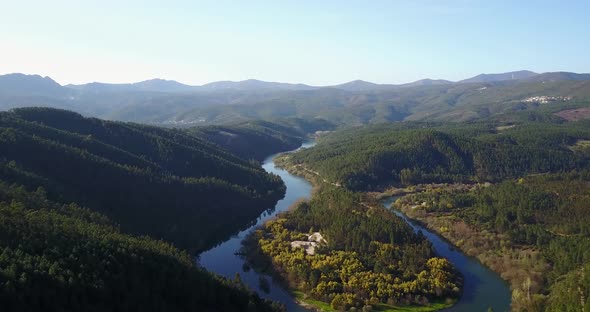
(486, 201)
(294, 156)
(479, 280)
(92, 208)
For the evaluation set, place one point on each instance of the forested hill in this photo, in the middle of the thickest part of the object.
(410, 153)
(258, 139)
(162, 182)
(56, 257)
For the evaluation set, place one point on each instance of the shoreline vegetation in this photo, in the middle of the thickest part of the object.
(351, 271)
(523, 266)
(491, 249)
(511, 228)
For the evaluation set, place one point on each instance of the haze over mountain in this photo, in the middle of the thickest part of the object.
(359, 85)
(155, 85)
(171, 86)
(36, 85)
(21, 84)
(426, 82)
(253, 84)
(560, 76)
(515, 75)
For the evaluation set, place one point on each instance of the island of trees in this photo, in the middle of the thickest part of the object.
(368, 257)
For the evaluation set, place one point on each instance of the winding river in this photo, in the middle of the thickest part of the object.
(223, 260)
(482, 287)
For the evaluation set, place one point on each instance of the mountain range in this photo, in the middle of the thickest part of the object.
(171, 103)
(37, 85)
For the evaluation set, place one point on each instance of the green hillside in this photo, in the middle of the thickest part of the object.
(164, 183)
(410, 153)
(56, 257)
(258, 139)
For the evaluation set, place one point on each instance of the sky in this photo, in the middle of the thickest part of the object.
(314, 42)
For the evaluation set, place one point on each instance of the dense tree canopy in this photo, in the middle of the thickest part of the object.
(259, 139)
(56, 257)
(166, 183)
(179, 185)
(411, 153)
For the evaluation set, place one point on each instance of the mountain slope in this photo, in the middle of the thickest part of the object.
(186, 189)
(259, 139)
(30, 85)
(56, 257)
(411, 153)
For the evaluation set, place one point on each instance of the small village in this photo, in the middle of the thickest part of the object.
(544, 99)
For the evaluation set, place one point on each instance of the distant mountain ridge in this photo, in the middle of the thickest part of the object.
(515, 75)
(173, 104)
(152, 85)
(17, 84)
(560, 76)
(359, 85)
(427, 82)
(253, 84)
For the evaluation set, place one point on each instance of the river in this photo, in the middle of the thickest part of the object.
(222, 259)
(482, 287)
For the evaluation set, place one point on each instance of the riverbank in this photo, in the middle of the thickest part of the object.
(521, 266)
(316, 179)
(224, 261)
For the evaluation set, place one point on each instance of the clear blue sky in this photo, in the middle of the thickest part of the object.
(315, 42)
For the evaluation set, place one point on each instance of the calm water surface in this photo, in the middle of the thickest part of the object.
(222, 259)
(482, 287)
